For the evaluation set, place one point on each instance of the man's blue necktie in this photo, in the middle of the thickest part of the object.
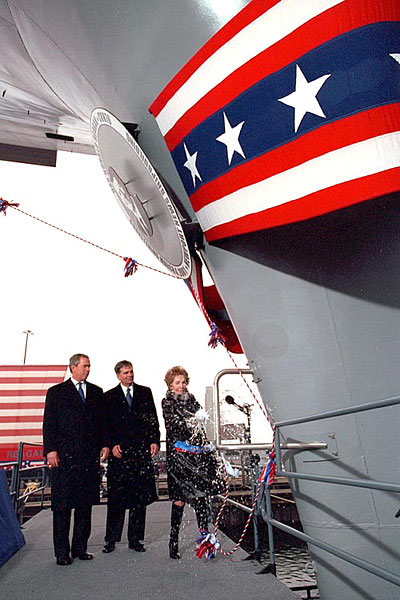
(80, 390)
(129, 397)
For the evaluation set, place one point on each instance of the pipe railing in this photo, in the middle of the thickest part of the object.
(264, 505)
(265, 501)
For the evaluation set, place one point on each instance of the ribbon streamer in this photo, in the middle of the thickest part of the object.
(268, 472)
(216, 336)
(4, 204)
(207, 545)
(130, 266)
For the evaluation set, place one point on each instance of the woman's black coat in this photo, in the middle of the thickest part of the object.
(130, 479)
(190, 476)
(75, 430)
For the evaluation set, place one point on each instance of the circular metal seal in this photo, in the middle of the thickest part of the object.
(140, 192)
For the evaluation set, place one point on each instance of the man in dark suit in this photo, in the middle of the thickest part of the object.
(74, 439)
(134, 437)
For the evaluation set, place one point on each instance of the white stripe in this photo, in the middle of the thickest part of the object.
(21, 411)
(20, 438)
(21, 425)
(260, 34)
(20, 399)
(346, 164)
(21, 374)
(25, 386)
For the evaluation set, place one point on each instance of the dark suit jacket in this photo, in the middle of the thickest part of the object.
(131, 478)
(75, 430)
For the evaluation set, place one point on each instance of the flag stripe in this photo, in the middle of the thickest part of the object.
(15, 419)
(344, 132)
(17, 433)
(25, 380)
(16, 412)
(20, 405)
(313, 205)
(22, 369)
(345, 164)
(308, 37)
(12, 426)
(17, 382)
(22, 392)
(11, 441)
(263, 32)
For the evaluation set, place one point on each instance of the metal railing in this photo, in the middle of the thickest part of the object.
(265, 505)
(18, 470)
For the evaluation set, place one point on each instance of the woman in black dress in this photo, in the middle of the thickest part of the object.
(193, 475)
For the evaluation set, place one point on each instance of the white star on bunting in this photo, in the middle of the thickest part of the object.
(304, 98)
(396, 57)
(231, 139)
(191, 165)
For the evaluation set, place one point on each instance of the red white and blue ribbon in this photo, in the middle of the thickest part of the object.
(207, 545)
(268, 473)
(280, 116)
(216, 336)
(130, 266)
(4, 204)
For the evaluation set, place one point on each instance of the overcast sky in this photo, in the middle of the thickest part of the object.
(75, 298)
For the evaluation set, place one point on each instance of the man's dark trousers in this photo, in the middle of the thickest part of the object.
(115, 524)
(81, 531)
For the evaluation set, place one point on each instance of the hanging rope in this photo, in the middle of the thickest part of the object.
(81, 239)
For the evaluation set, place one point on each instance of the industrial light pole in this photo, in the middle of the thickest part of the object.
(28, 332)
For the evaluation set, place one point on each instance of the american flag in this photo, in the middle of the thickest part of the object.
(290, 111)
(22, 398)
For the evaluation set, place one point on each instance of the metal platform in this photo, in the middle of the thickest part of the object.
(125, 574)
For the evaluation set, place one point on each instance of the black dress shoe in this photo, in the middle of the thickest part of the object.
(83, 556)
(64, 560)
(137, 546)
(109, 547)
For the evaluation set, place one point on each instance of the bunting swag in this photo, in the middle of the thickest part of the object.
(290, 111)
(211, 304)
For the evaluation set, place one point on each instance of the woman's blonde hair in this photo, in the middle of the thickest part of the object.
(173, 372)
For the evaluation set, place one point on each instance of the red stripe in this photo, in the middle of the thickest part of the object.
(23, 380)
(25, 368)
(20, 432)
(8, 393)
(22, 419)
(20, 405)
(313, 205)
(246, 16)
(329, 137)
(11, 444)
(341, 19)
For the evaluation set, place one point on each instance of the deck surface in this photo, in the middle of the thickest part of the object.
(125, 574)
